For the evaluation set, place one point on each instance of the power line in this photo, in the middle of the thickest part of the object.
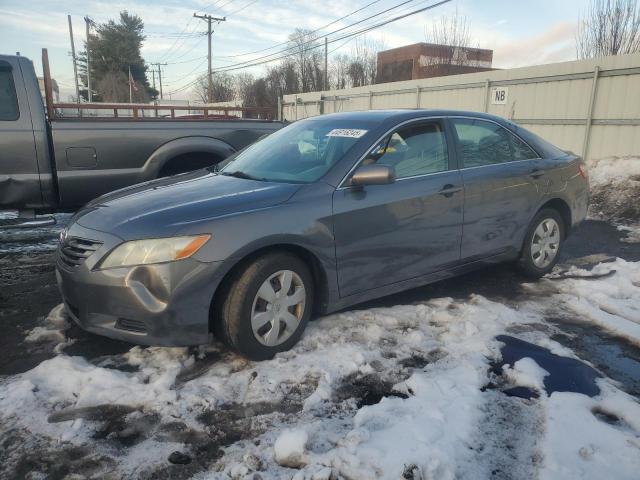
(242, 8)
(343, 37)
(310, 33)
(193, 47)
(359, 32)
(266, 59)
(191, 60)
(304, 44)
(279, 44)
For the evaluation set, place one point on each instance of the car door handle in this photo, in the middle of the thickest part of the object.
(537, 173)
(448, 190)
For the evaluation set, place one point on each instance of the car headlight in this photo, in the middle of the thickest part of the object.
(157, 250)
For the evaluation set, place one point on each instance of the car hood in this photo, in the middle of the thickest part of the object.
(162, 207)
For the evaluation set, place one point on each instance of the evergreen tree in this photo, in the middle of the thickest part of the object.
(113, 49)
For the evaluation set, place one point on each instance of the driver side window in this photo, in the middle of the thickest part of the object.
(415, 150)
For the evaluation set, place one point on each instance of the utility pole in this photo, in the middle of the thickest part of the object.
(326, 63)
(73, 56)
(209, 19)
(130, 86)
(159, 65)
(88, 23)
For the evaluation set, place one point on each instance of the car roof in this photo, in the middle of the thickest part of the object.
(406, 114)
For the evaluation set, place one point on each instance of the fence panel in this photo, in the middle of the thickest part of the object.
(591, 107)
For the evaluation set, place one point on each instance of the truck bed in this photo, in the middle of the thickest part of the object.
(99, 156)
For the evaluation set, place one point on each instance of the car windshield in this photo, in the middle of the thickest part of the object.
(300, 153)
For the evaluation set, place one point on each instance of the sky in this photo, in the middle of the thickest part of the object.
(519, 32)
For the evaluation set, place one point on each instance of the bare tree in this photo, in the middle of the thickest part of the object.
(364, 61)
(307, 57)
(224, 88)
(452, 41)
(339, 71)
(609, 27)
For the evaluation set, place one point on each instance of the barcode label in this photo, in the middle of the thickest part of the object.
(346, 132)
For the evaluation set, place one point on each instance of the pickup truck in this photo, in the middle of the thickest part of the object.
(52, 163)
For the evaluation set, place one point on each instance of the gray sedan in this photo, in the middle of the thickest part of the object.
(325, 213)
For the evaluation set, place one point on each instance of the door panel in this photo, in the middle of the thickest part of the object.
(499, 201)
(19, 175)
(502, 179)
(389, 233)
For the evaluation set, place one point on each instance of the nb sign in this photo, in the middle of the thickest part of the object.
(499, 95)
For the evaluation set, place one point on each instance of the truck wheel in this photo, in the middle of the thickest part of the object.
(267, 306)
(542, 244)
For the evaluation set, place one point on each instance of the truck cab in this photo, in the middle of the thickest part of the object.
(26, 177)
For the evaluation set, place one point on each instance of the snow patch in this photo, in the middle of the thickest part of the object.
(632, 231)
(579, 443)
(610, 301)
(54, 327)
(526, 373)
(290, 447)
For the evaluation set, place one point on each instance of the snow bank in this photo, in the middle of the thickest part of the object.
(615, 188)
(610, 301)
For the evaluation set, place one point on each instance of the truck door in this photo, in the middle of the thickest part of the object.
(19, 174)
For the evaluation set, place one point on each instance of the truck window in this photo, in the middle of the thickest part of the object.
(8, 98)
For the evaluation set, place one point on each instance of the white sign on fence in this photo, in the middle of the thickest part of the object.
(499, 95)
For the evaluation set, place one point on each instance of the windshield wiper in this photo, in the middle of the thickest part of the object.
(239, 174)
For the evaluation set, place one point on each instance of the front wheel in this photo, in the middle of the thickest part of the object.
(542, 244)
(267, 306)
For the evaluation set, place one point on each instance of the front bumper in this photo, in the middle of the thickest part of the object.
(163, 304)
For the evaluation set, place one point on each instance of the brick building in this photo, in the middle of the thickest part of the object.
(426, 60)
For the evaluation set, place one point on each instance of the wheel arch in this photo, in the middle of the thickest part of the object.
(184, 146)
(311, 260)
(562, 207)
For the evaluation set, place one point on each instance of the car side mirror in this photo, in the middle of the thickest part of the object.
(373, 175)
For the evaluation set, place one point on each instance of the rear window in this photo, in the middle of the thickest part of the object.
(8, 98)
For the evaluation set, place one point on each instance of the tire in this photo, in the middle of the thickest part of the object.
(537, 262)
(244, 305)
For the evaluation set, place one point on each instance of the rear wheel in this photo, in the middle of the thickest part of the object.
(542, 244)
(267, 306)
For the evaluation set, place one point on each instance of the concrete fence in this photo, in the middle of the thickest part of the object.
(591, 107)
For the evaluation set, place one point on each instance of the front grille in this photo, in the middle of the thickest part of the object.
(135, 326)
(74, 251)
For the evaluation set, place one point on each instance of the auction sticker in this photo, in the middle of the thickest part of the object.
(346, 132)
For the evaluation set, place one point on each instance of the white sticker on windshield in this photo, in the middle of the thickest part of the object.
(346, 132)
